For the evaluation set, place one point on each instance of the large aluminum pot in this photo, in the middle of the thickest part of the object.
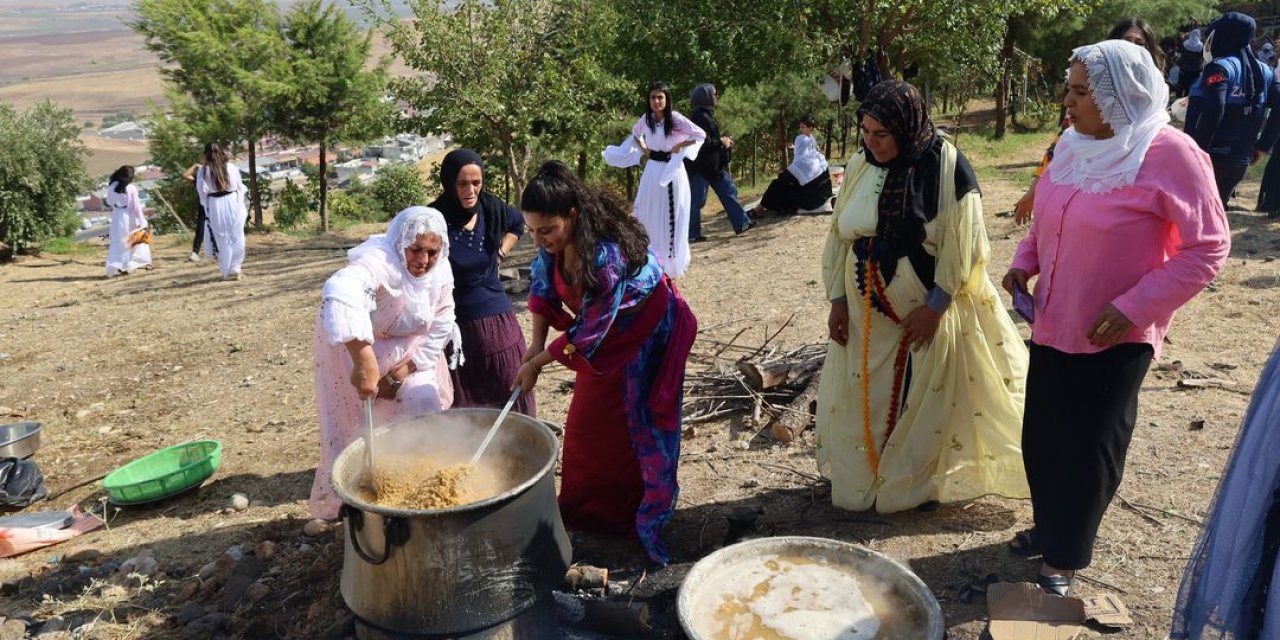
(906, 607)
(461, 571)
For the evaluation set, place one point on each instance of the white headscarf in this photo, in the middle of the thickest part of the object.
(1132, 96)
(384, 255)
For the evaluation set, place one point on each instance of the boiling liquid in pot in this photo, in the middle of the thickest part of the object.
(800, 598)
(420, 482)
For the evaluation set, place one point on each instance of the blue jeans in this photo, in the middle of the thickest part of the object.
(726, 191)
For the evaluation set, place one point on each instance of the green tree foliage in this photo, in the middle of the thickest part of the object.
(292, 206)
(397, 186)
(512, 79)
(41, 174)
(334, 95)
(229, 58)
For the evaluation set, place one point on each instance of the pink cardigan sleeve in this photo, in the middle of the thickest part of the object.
(1197, 239)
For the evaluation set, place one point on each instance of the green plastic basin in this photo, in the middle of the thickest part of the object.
(165, 473)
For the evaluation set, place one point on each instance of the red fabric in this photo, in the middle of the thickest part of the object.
(600, 482)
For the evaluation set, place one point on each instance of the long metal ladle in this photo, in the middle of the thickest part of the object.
(368, 444)
(488, 437)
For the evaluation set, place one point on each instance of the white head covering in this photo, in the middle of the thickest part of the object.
(1132, 96)
(1193, 43)
(383, 254)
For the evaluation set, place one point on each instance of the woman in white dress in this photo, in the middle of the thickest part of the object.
(222, 196)
(126, 253)
(806, 184)
(384, 321)
(666, 138)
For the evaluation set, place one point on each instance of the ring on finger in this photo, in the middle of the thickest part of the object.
(1102, 328)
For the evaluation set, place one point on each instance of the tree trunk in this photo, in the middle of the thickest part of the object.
(1002, 87)
(255, 199)
(582, 165)
(831, 134)
(324, 186)
(782, 143)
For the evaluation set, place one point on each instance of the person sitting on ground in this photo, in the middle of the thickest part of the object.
(805, 184)
(380, 334)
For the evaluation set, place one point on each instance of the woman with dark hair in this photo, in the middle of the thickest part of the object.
(222, 195)
(1135, 30)
(130, 246)
(482, 231)
(806, 184)
(627, 336)
(663, 199)
(920, 397)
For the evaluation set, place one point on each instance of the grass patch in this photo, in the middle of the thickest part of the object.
(1012, 158)
(67, 247)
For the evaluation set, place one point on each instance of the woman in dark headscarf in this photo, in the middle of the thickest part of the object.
(1228, 101)
(920, 398)
(482, 230)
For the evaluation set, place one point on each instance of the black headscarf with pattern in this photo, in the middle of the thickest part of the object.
(909, 198)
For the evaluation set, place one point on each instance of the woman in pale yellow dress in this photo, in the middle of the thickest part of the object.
(921, 394)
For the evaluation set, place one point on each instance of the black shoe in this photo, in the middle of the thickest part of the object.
(750, 225)
(1055, 585)
(697, 239)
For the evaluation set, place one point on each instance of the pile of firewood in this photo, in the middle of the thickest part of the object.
(777, 386)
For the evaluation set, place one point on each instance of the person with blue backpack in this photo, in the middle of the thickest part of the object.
(1229, 102)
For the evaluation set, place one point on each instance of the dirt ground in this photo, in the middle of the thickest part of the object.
(116, 369)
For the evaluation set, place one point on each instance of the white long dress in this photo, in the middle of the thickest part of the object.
(127, 216)
(227, 215)
(663, 198)
(373, 299)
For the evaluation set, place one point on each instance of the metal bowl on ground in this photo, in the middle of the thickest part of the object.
(19, 439)
(480, 570)
(800, 587)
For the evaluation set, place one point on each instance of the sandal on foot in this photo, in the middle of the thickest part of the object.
(1055, 585)
(1025, 543)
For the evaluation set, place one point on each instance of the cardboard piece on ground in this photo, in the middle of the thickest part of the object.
(1023, 611)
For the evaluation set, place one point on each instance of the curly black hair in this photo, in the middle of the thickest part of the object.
(555, 190)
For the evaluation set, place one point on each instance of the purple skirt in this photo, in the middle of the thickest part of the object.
(493, 347)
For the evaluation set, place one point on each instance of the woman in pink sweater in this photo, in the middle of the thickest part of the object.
(1127, 228)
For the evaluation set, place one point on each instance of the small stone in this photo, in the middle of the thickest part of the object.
(146, 566)
(315, 528)
(1269, 259)
(239, 501)
(87, 555)
(187, 592)
(104, 430)
(1196, 425)
(207, 571)
(750, 483)
(258, 591)
(742, 444)
(304, 548)
(188, 612)
(265, 550)
(13, 629)
(233, 592)
(235, 552)
(177, 367)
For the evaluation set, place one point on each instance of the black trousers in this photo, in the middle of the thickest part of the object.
(202, 221)
(1227, 173)
(1079, 417)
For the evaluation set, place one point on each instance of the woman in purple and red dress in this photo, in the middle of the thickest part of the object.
(627, 335)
